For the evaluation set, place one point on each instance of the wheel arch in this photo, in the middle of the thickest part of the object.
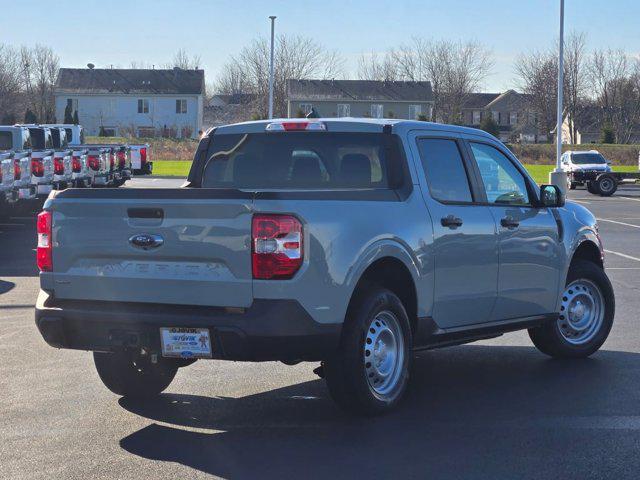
(589, 251)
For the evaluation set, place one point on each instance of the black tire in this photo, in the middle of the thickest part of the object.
(607, 185)
(592, 188)
(347, 372)
(573, 185)
(133, 376)
(549, 339)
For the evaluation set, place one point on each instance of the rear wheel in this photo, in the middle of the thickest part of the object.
(607, 185)
(592, 188)
(586, 314)
(368, 374)
(132, 375)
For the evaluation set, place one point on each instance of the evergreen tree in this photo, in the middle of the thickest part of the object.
(76, 121)
(489, 125)
(30, 117)
(607, 135)
(68, 116)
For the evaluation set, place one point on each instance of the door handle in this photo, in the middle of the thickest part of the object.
(509, 222)
(451, 222)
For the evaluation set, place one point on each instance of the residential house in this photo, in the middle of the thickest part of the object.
(510, 110)
(589, 125)
(139, 102)
(359, 98)
(226, 109)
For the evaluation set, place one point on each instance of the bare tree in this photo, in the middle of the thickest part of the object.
(538, 78)
(615, 81)
(372, 67)
(296, 57)
(575, 79)
(183, 60)
(10, 83)
(40, 70)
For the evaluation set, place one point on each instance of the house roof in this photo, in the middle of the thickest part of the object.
(479, 100)
(236, 98)
(129, 81)
(350, 90)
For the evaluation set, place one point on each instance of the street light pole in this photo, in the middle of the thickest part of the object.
(273, 21)
(559, 177)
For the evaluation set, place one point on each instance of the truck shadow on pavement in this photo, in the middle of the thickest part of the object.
(470, 412)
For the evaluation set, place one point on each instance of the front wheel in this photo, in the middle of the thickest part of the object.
(132, 375)
(586, 314)
(368, 375)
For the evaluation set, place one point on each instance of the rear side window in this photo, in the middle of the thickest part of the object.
(444, 170)
(69, 134)
(303, 161)
(55, 137)
(6, 141)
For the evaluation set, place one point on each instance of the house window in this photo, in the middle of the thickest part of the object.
(415, 111)
(376, 111)
(513, 118)
(108, 131)
(143, 106)
(146, 132)
(306, 108)
(73, 104)
(476, 117)
(496, 116)
(344, 110)
(181, 106)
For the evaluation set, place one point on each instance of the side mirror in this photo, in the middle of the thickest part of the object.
(609, 162)
(551, 196)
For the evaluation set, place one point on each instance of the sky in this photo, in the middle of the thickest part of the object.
(117, 32)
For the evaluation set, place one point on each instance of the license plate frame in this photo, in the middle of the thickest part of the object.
(186, 342)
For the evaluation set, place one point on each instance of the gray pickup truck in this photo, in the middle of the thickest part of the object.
(349, 242)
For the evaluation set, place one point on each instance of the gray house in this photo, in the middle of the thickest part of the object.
(359, 98)
(137, 102)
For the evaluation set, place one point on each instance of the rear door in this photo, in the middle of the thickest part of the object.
(530, 257)
(167, 246)
(464, 244)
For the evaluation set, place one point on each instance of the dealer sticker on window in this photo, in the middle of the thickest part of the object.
(185, 342)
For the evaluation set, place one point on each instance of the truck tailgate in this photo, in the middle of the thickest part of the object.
(170, 246)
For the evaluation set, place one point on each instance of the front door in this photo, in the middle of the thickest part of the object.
(529, 250)
(464, 245)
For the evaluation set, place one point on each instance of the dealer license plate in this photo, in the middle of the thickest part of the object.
(185, 342)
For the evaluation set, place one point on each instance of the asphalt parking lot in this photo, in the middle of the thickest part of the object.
(494, 409)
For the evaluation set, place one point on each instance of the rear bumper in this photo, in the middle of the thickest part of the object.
(268, 330)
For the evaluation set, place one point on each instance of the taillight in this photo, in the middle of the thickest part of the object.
(58, 166)
(295, 126)
(94, 162)
(121, 159)
(17, 171)
(45, 247)
(276, 247)
(37, 167)
(143, 156)
(76, 165)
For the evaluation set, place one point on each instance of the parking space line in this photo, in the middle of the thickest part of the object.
(629, 198)
(579, 201)
(619, 223)
(623, 255)
(623, 268)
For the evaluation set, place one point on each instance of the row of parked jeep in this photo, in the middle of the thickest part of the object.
(35, 159)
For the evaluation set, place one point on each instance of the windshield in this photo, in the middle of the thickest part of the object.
(302, 161)
(587, 158)
(38, 138)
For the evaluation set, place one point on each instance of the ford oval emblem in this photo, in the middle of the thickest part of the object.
(146, 241)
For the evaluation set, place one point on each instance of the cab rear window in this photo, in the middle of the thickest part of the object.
(303, 161)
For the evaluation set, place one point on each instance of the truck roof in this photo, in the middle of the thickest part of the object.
(349, 124)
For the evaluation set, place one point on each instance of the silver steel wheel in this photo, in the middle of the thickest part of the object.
(581, 312)
(606, 184)
(384, 353)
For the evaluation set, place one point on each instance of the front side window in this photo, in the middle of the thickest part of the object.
(444, 170)
(376, 111)
(503, 182)
(6, 140)
(181, 106)
(344, 110)
(143, 106)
